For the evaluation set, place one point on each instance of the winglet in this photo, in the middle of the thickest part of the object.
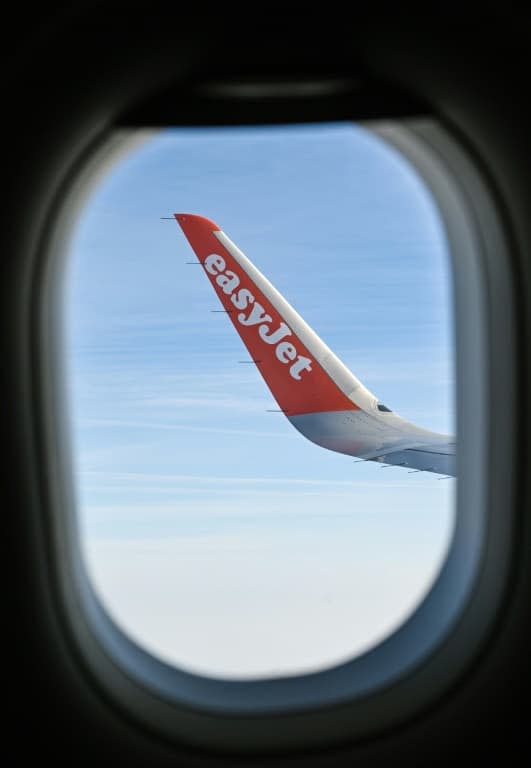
(302, 373)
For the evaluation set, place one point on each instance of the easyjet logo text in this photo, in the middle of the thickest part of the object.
(253, 314)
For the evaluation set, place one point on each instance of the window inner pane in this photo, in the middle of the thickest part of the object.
(215, 534)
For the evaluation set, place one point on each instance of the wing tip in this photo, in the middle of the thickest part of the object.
(195, 218)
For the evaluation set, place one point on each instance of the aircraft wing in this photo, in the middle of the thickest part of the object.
(319, 395)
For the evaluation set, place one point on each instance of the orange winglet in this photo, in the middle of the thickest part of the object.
(297, 381)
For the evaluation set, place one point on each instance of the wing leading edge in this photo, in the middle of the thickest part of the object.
(319, 395)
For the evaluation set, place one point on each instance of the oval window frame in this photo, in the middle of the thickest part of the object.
(421, 659)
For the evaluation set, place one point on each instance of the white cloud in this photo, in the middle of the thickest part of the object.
(258, 604)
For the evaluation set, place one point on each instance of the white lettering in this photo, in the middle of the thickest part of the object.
(302, 364)
(274, 338)
(242, 299)
(285, 352)
(228, 282)
(214, 263)
(257, 315)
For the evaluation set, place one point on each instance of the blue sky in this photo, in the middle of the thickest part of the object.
(216, 535)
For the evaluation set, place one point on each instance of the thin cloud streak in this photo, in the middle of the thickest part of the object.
(127, 424)
(223, 480)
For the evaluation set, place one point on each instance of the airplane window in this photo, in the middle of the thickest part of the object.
(227, 525)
